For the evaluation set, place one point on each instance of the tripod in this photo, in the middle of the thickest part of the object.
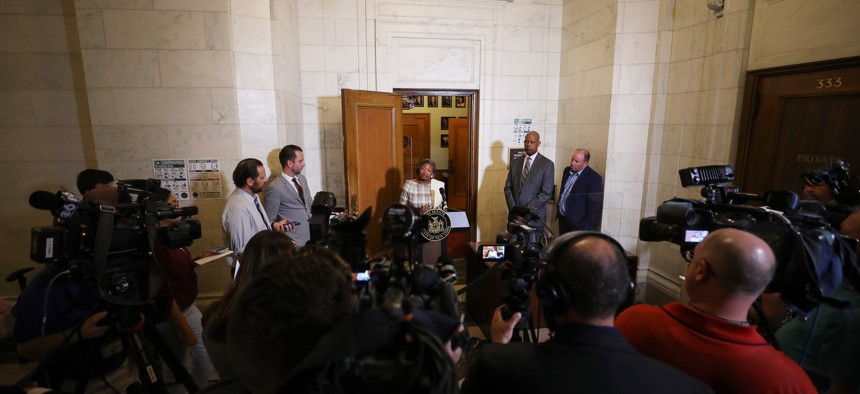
(517, 300)
(145, 344)
(145, 348)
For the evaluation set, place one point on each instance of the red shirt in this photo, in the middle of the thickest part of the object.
(728, 357)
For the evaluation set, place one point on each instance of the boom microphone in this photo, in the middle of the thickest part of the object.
(176, 212)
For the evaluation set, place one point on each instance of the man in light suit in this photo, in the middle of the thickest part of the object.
(530, 180)
(289, 196)
(580, 201)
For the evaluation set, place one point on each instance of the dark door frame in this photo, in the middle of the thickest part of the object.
(473, 94)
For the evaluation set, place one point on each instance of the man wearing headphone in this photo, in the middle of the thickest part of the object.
(582, 283)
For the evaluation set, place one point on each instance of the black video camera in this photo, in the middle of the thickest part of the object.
(109, 240)
(523, 245)
(834, 175)
(812, 257)
(342, 233)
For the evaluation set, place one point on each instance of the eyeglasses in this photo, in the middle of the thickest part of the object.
(708, 266)
(814, 180)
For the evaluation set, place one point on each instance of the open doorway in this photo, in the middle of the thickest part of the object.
(443, 125)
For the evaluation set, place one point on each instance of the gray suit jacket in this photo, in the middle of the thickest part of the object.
(282, 200)
(537, 189)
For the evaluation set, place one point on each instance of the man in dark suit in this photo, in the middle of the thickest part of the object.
(289, 197)
(530, 180)
(583, 283)
(580, 201)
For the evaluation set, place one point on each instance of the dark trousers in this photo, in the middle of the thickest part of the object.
(562, 226)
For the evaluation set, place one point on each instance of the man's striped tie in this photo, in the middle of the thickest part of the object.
(526, 169)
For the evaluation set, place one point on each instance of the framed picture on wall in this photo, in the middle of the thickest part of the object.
(432, 101)
(459, 102)
(418, 101)
(444, 142)
(446, 101)
(444, 124)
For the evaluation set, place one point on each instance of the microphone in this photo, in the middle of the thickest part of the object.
(45, 201)
(62, 205)
(444, 194)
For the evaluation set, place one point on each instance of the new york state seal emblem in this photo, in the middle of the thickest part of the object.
(438, 225)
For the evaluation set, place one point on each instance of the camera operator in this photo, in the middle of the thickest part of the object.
(710, 337)
(182, 328)
(283, 311)
(817, 189)
(294, 329)
(60, 322)
(91, 178)
(582, 285)
(264, 248)
(826, 344)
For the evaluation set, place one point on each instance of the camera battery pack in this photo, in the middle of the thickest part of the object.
(47, 244)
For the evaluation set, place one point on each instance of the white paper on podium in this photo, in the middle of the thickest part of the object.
(459, 220)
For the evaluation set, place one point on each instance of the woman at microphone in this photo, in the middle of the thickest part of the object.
(423, 192)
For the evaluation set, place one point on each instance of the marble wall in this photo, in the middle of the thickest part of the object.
(607, 98)
(45, 128)
(700, 86)
(795, 32)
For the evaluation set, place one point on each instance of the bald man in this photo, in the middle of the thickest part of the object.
(827, 344)
(709, 338)
(530, 180)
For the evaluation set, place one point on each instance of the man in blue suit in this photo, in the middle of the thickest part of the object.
(530, 180)
(289, 197)
(580, 202)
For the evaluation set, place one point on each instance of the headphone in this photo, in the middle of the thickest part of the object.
(552, 288)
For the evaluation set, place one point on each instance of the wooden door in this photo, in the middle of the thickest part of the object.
(796, 119)
(458, 163)
(373, 155)
(416, 141)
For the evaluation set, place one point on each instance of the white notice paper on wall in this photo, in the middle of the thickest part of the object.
(173, 176)
(205, 178)
(521, 127)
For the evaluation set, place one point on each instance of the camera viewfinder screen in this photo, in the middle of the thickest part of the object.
(695, 236)
(493, 252)
(361, 276)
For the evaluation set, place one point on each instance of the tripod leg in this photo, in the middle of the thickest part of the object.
(180, 374)
(149, 377)
(524, 331)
